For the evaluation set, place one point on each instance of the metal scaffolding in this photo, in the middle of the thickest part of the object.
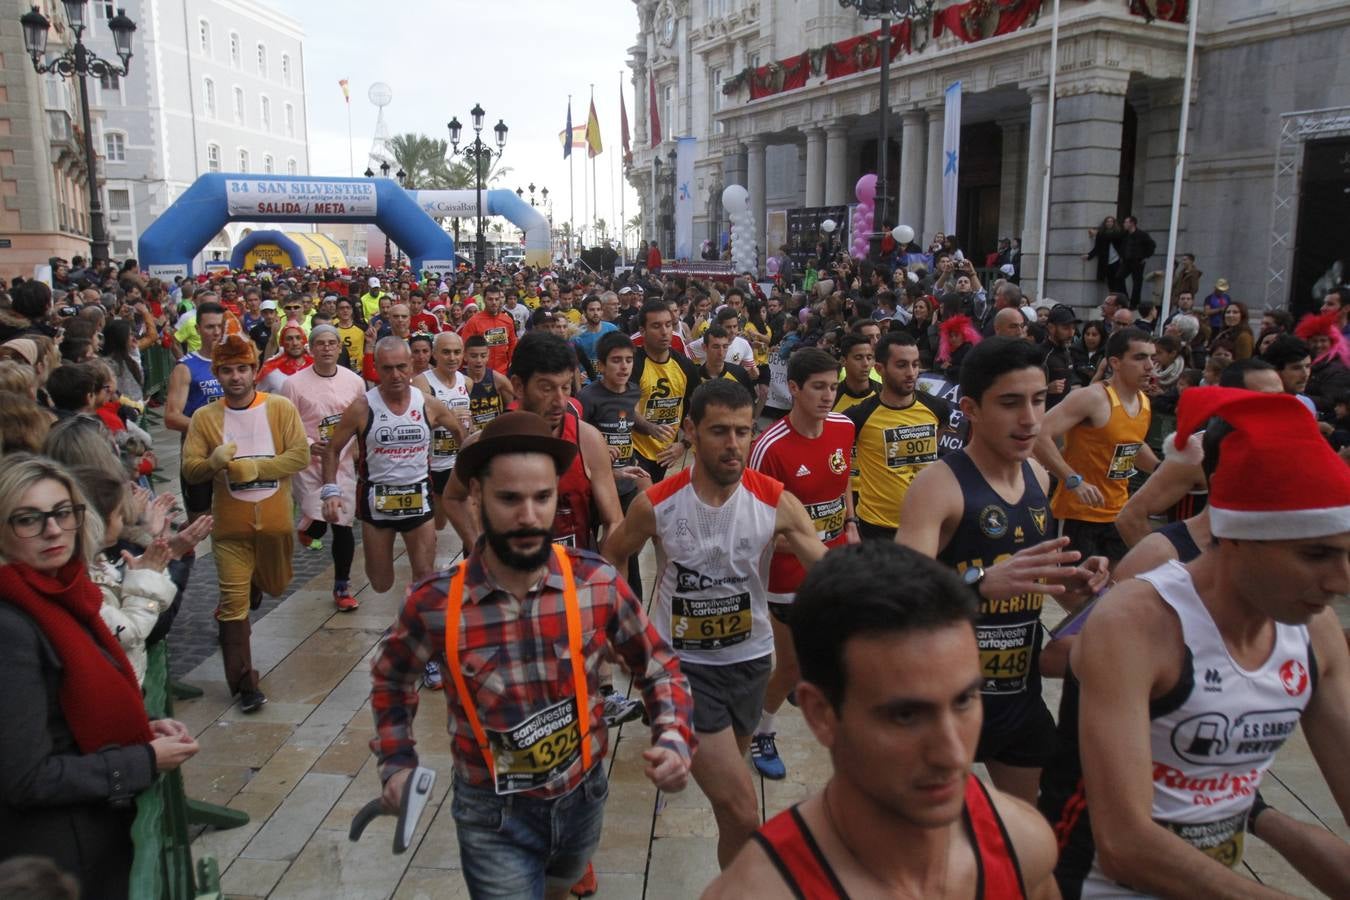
(1296, 129)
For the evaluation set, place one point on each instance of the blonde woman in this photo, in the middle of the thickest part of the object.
(76, 747)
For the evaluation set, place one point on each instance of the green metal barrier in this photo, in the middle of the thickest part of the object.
(162, 867)
(157, 364)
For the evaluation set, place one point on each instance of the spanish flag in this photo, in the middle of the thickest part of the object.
(346, 94)
(593, 147)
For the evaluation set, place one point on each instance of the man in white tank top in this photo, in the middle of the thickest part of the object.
(718, 523)
(1193, 676)
(394, 424)
(446, 383)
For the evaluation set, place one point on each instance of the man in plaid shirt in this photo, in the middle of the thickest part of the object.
(529, 784)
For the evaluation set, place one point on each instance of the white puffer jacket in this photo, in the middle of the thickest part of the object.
(132, 602)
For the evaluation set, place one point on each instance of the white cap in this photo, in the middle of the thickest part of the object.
(373, 281)
(269, 304)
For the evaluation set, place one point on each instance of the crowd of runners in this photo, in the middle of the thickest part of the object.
(860, 497)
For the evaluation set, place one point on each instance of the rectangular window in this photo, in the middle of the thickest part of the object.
(715, 98)
(119, 200)
(106, 9)
(262, 61)
(209, 97)
(212, 158)
(243, 160)
(204, 36)
(234, 51)
(239, 105)
(286, 70)
(115, 147)
(292, 168)
(268, 165)
(668, 128)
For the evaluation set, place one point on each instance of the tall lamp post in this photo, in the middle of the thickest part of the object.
(80, 62)
(402, 177)
(885, 10)
(478, 152)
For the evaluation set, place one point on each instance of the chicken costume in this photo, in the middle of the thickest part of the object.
(253, 536)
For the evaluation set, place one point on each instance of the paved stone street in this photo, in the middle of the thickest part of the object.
(301, 768)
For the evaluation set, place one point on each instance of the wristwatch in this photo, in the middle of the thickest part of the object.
(973, 576)
(1073, 481)
(852, 520)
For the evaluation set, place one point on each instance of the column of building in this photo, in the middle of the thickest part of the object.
(1035, 186)
(836, 164)
(754, 183)
(932, 204)
(913, 155)
(1011, 198)
(1084, 180)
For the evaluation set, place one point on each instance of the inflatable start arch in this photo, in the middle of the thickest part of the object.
(168, 246)
(496, 202)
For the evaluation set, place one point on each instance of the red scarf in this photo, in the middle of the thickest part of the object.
(288, 365)
(99, 697)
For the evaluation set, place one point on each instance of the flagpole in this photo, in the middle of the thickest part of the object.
(571, 184)
(1169, 270)
(595, 195)
(623, 149)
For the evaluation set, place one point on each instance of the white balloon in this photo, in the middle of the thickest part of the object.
(734, 197)
(828, 226)
(903, 234)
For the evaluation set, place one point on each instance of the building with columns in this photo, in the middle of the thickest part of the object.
(783, 98)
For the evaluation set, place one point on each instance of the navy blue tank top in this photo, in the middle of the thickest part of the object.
(202, 384)
(1008, 630)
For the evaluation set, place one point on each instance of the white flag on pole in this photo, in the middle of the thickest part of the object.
(685, 148)
(951, 155)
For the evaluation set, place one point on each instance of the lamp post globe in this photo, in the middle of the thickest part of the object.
(80, 62)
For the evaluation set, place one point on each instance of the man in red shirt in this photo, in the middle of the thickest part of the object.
(810, 450)
(498, 328)
(422, 322)
(654, 259)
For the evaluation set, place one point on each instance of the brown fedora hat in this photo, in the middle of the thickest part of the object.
(514, 432)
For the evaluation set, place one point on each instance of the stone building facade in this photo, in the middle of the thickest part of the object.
(1117, 113)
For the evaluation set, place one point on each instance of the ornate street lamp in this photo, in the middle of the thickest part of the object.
(80, 62)
(885, 10)
(479, 153)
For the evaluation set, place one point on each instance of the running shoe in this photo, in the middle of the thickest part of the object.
(251, 701)
(764, 754)
(344, 600)
(587, 886)
(309, 543)
(431, 677)
(620, 709)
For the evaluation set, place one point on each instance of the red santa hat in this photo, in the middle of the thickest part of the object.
(1277, 477)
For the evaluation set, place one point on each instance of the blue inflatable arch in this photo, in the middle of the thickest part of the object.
(496, 202)
(168, 247)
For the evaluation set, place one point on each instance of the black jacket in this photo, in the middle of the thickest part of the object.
(1136, 246)
(55, 801)
(1101, 250)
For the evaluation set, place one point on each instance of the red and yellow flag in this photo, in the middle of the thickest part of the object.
(593, 146)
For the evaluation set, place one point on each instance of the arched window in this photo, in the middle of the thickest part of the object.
(265, 109)
(115, 146)
(236, 59)
(243, 160)
(262, 60)
(290, 121)
(209, 97)
(269, 165)
(286, 69)
(213, 157)
(239, 105)
(204, 36)
(291, 167)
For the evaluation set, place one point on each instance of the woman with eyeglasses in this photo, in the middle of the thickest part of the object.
(76, 746)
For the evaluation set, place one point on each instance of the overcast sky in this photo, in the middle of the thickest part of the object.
(519, 58)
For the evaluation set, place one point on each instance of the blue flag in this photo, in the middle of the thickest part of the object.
(567, 144)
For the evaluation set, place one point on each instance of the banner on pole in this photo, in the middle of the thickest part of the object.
(951, 159)
(684, 197)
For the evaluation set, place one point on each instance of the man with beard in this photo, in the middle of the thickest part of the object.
(529, 751)
(393, 425)
(542, 373)
(897, 436)
(891, 687)
(249, 444)
(719, 523)
(294, 357)
(321, 393)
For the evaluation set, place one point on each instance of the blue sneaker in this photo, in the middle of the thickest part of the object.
(431, 677)
(764, 754)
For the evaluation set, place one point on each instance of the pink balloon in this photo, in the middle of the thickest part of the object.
(866, 188)
(771, 265)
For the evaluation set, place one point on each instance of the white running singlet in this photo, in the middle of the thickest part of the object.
(394, 459)
(711, 597)
(1211, 750)
(444, 447)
